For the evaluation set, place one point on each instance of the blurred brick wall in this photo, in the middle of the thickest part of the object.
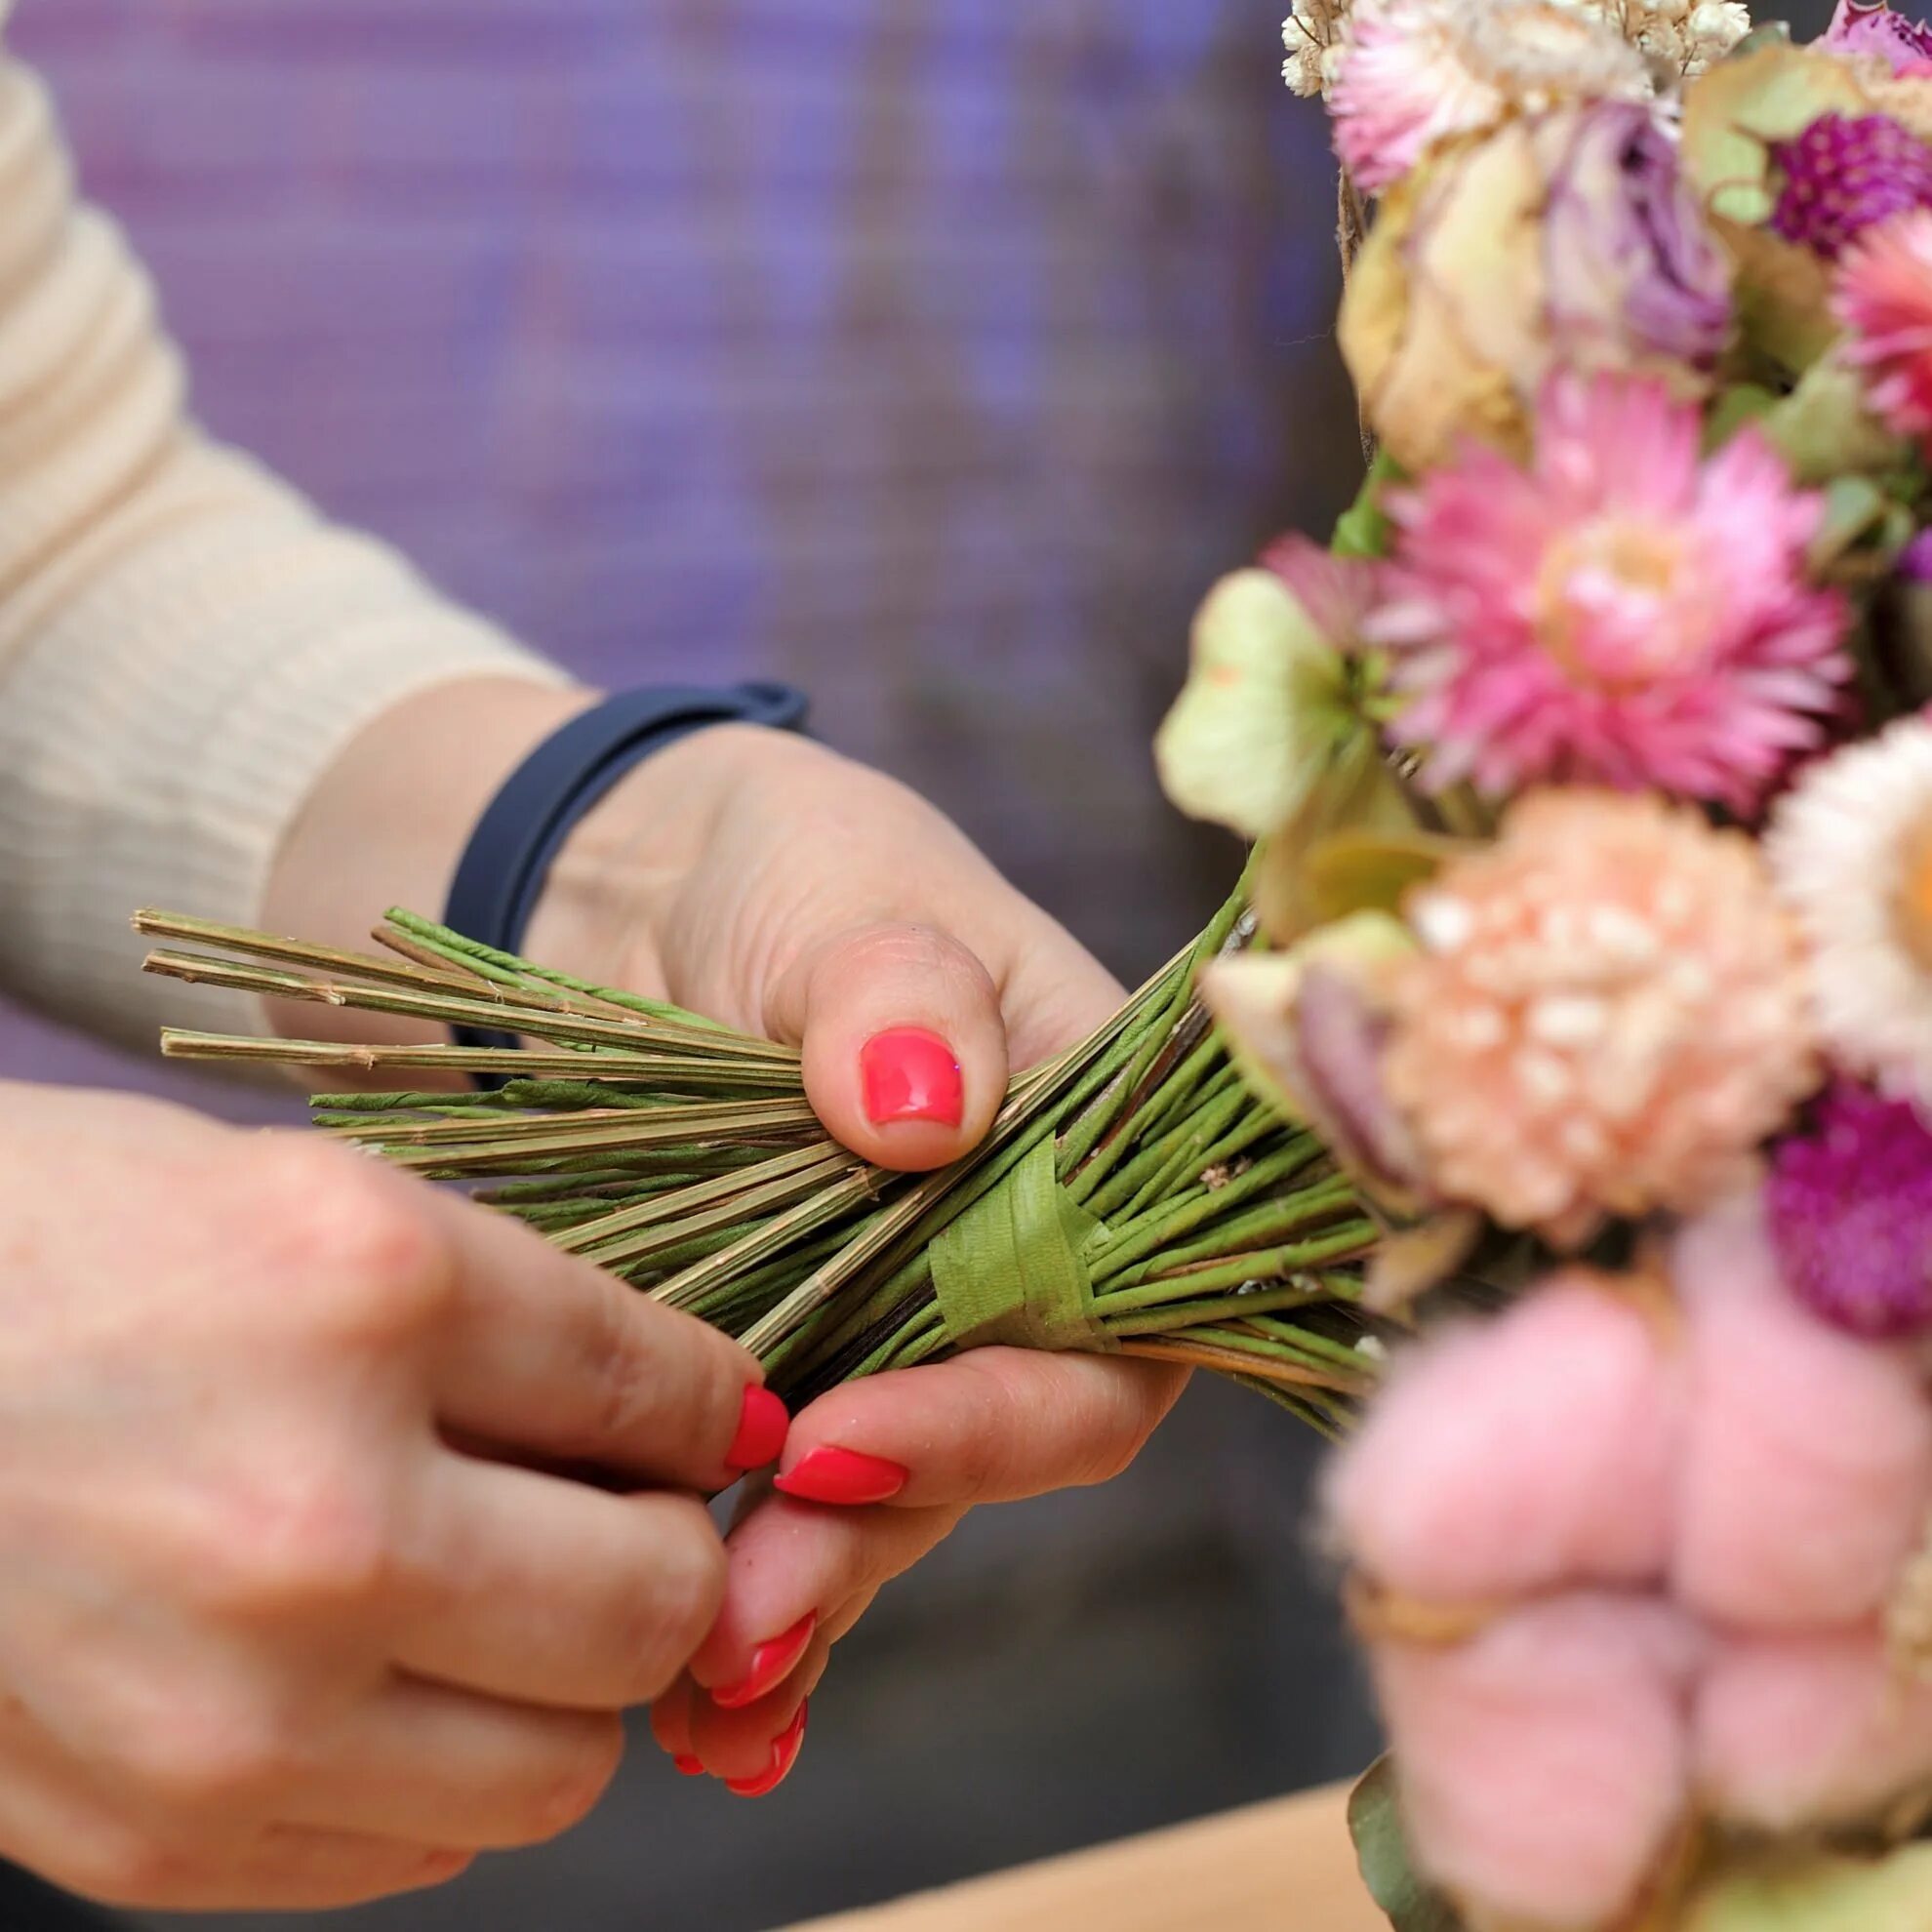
(929, 354)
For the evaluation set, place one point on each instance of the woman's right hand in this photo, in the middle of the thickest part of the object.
(300, 1601)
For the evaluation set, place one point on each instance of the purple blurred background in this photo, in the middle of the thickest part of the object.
(931, 354)
(934, 354)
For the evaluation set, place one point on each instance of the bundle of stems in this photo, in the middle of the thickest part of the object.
(684, 1157)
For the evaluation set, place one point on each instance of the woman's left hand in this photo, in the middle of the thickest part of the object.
(767, 882)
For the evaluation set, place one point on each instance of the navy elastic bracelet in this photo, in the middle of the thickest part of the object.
(553, 790)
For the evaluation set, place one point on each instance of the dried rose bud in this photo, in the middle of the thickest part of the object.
(1567, 239)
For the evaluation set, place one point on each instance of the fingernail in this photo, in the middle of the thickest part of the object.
(784, 1754)
(689, 1767)
(912, 1074)
(771, 1664)
(761, 1430)
(843, 1477)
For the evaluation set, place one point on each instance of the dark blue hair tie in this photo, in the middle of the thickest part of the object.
(553, 790)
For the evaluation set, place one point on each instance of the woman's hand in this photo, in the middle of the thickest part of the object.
(763, 880)
(769, 883)
(298, 1606)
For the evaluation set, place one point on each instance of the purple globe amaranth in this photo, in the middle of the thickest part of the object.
(1914, 563)
(1845, 174)
(1630, 264)
(1850, 1212)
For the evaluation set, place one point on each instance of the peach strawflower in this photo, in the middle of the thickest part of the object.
(1607, 1018)
(1884, 300)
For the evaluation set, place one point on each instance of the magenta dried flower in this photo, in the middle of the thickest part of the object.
(1916, 559)
(1850, 1210)
(1845, 174)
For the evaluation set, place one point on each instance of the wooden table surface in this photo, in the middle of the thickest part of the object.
(1286, 1867)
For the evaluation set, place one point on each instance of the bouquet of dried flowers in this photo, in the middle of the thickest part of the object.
(1594, 786)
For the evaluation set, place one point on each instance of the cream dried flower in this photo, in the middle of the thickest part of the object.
(1607, 1018)
(1314, 34)
(1850, 849)
(1684, 36)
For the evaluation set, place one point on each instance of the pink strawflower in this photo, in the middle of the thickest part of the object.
(1884, 300)
(1607, 1018)
(1845, 174)
(1337, 592)
(1621, 610)
(1850, 1212)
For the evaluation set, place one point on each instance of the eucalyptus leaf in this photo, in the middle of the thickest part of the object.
(1856, 508)
(1388, 1867)
(1823, 429)
(1371, 871)
(1268, 705)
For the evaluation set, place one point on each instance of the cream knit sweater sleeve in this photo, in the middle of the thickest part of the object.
(184, 644)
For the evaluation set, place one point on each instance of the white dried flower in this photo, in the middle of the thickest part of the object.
(1850, 850)
(1314, 34)
(1683, 35)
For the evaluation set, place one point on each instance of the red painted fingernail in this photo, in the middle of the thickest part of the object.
(784, 1754)
(762, 1425)
(843, 1477)
(771, 1664)
(689, 1767)
(912, 1074)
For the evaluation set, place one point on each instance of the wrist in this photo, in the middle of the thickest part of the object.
(388, 822)
(621, 876)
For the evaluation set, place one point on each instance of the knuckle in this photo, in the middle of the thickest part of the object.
(667, 1613)
(647, 1392)
(918, 951)
(115, 1865)
(379, 1266)
(571, 1790)
(208, 1761)
(304, 1543)
(988, 1456)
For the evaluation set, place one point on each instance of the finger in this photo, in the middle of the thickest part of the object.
(423, 1764)
(992, 1425)
(737, 1746)
(904, 1046)
(546, 1354)
(791, 1571)
(296, 1869)
(526, 1586)
(671, 1727)
(1056, 993)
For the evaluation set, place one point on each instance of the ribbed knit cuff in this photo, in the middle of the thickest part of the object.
(157, 752)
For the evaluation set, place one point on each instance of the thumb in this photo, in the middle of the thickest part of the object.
(904, 1047)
